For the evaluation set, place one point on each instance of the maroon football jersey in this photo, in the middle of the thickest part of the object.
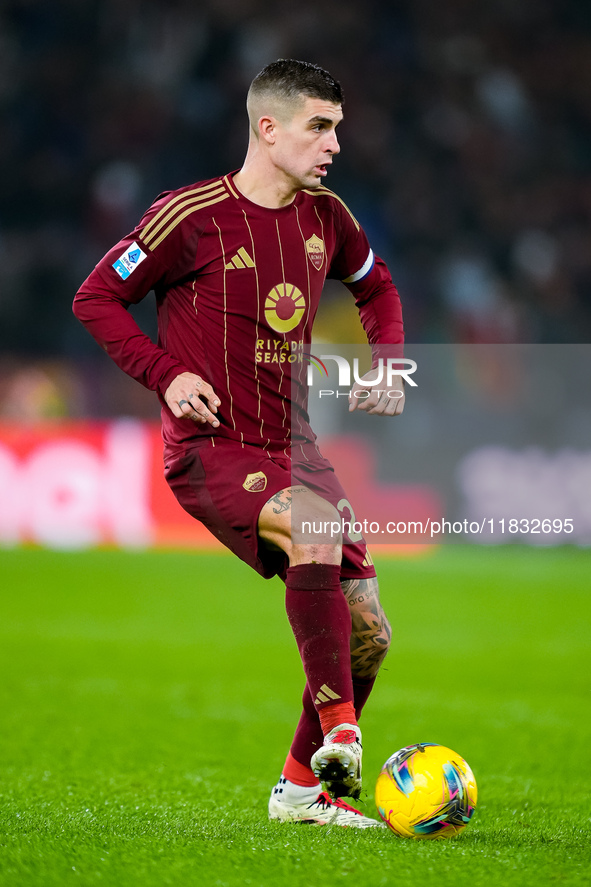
(237, 288)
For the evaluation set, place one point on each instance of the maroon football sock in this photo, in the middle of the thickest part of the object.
(362, 687)
(321, 622)
(308, 735)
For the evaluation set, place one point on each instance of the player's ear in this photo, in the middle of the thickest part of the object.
(268, 129)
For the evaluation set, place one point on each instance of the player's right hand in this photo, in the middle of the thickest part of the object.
(379, 402)
(190, 397)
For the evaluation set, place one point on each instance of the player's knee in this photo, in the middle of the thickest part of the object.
(317, 532)
(315, 554)
(318, 522)
(304, 525)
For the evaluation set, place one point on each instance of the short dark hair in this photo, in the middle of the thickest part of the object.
(289, 79)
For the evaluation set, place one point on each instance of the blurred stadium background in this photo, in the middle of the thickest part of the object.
(465, 154)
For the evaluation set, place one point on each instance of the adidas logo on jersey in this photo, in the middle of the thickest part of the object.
(240, 260)
(324, 694)
(367, 561)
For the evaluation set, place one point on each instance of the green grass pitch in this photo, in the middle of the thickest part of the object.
(147, 702)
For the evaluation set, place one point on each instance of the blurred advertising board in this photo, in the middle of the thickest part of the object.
(500, 434)
(493, 447)
(81, 484)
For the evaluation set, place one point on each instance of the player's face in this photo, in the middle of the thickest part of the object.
(307, 143)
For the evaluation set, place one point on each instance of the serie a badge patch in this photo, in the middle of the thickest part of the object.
(129, 260)
(255, 483)
(315, 248)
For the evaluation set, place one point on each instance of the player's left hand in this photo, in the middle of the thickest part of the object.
(378, 399)
(190, 397)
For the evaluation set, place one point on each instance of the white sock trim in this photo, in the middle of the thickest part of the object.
(292, 793)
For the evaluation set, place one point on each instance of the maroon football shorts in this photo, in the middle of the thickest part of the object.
(225, 484)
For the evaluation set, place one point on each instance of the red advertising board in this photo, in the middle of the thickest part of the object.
(83, 484)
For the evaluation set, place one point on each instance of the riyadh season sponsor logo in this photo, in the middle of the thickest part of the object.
(386, 374)
(129, 260)
(279, 351)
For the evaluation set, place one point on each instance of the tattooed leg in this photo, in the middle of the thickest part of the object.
(282, 500)
(281, 525)
(370, 631)
(369, 641)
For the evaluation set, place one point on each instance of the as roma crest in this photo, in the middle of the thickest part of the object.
(315, 247)
(255, 483)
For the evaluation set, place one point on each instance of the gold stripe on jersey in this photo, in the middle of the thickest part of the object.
(225, 320)
(172, 212)
(321, 223)
(327, 192)
(309, 299)
(256, 367)
(279, 387)
(152, 246)
(203, 190)
(230, 186)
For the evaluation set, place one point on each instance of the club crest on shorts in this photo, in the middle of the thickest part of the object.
(255, 483)
(315, 248)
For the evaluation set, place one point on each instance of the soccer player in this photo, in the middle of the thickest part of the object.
(237, 264)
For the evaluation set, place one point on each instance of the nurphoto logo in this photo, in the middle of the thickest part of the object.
(387, 372)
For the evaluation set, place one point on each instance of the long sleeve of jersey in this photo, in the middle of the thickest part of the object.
(368, 278)
(107, 319)
(124, 277)
(380, 311)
